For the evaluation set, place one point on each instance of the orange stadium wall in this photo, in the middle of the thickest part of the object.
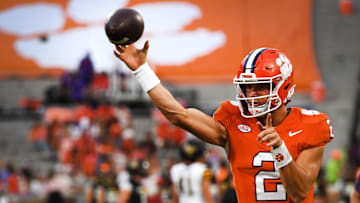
(191, 41)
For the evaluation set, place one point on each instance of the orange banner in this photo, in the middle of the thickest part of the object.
(191, 41)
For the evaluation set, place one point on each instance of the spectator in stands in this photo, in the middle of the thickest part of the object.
(104, 111)
(105, 147)
(37, 184)
(104, 188)
(77, 185)
(65, 146)
(169, 136)
(123, 82)
(12, 179)
(80, 81)
(99, 85)
(62, 94)
(59, 94)
(88, 164)
(58, 182)
(85, 153)
(77, 88)
(115, 131)
(124, 115)
(38, 136)
(151, 182)
(83, 110)
(334, 166)
(119, 159)
(26, 177)
(54, 135)
(333, 172)
(30, 104)
(86, 70)
(128, 140)
(148, 142)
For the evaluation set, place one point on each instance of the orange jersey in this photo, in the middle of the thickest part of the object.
(252, 164)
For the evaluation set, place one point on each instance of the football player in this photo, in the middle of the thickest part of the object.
(129, 182)
(275, 152)
(191, 178)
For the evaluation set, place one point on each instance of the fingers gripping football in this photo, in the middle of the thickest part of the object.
(132, 56)
(268, 134)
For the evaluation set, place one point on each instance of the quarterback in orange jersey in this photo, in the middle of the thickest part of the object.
(275, 152)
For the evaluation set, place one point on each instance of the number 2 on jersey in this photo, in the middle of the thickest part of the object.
(261, 176)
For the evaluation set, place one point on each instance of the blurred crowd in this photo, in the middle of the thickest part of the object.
(91, 148)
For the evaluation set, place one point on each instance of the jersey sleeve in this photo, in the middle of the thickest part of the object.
(207, 174)
(173, 175)
(223, 113)
(175, 172)
(321, 131)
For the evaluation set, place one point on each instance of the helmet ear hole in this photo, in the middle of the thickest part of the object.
(287, 86)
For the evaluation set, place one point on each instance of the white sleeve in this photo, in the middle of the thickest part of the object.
(123, 181)
(172, 174)
(175, 172)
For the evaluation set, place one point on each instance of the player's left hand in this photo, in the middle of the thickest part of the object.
(268, 133)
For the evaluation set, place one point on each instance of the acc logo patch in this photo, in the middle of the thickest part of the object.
(244, 128)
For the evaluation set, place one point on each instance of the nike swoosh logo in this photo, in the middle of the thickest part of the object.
(294, 133)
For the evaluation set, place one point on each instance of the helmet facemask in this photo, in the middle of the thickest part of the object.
(247, 104)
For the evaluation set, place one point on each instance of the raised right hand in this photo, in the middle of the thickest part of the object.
(132, 56)
(268, 133)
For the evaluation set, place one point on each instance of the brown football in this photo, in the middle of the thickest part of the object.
(124, 26)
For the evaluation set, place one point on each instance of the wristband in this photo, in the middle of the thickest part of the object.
(281, 156)
(146, 77)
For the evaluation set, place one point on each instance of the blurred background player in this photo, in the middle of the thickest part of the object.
(191, 178)
(268, 164)
(104, 187)
(129, 181)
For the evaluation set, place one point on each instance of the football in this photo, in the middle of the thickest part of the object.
(124, 26)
